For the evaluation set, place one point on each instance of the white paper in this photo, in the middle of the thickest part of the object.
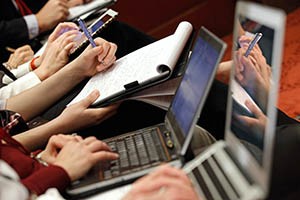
(82, 9)
(140, 65)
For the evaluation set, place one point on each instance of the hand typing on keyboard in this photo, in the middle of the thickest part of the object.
(165, 183)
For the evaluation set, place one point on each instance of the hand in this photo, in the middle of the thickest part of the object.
(55, 143)
(77, 157)
(72, 3)
(51, 14)
(164, 183)
(254, 74)
(94, 60)
(255, 125)
(56, 54)
(20, 56)
(79, 115)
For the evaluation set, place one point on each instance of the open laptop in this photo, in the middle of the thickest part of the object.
(142, 150)
(239, 167)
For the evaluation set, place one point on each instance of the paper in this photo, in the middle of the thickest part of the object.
(140, 66)
(82, 9)
(240, 95)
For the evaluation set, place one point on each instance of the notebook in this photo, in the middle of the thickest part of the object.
(142, 150)
(239, 167)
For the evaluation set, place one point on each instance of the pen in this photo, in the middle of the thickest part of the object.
(253, 43)
(86, 32)
(7, 72)
(9, 49)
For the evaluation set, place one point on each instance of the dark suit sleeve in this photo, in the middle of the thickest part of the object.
(13, 32)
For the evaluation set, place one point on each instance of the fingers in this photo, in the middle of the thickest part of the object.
(163, 177)
(167, 171)
(256, 111)
(60, 140)
(91, 98)
(107, 55)
(62, 28)
(105, 155)
(96, 145)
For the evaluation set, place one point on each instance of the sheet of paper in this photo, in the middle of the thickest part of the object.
(141, 65)
(240, 95)
(162, 102)
(82, 9)
(168, 87)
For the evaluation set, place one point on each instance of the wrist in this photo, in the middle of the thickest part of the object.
(41, 24)
(35, 63)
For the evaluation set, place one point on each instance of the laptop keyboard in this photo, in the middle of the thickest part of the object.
(215, 183)
(136, 151)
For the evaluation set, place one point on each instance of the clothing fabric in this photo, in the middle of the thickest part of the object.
(11, 188)
(13, 27)
(36, 177)
(23, 83)
(23, 8)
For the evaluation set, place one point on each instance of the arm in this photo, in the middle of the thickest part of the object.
(69, 158)
(73, 118)
(32, 102)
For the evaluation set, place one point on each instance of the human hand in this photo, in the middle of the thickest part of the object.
(51, 14)
(77, 157)
(164, 183)
(253, 73)
(56, 53)
(20, 56)
(55, 143)
(72, 3)
(79, 115)
(255, 125)
(94, 60)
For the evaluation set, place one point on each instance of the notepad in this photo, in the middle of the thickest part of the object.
(93, 5)
(148, 65)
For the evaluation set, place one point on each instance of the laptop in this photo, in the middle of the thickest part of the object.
(240, 166)
(142, 150)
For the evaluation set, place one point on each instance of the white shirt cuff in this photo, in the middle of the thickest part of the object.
(23, 83)
(32, 25)
(18, 72)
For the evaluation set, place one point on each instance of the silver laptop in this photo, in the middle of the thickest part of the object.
(239, 167)
(142, 150)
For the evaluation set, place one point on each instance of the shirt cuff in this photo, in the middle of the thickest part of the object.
(25, 82)
(32, 25)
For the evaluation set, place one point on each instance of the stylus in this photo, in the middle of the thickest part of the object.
(253, 43)
(86, 32)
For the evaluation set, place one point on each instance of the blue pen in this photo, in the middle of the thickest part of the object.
(253, 43)
(86, 32)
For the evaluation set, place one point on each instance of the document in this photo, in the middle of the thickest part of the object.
(93, 5)
(140, 69)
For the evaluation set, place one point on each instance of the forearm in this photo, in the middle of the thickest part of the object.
(38, 137)
(32, 102)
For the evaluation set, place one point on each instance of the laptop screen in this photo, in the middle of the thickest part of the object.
(256, 55)
(192, 91)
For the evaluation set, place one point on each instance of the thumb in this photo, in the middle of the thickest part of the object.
(91, 98)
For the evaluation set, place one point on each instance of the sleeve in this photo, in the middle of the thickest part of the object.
(32, 26)
(47, 177)
(18, 72)
(25, 82)
(12, 35)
